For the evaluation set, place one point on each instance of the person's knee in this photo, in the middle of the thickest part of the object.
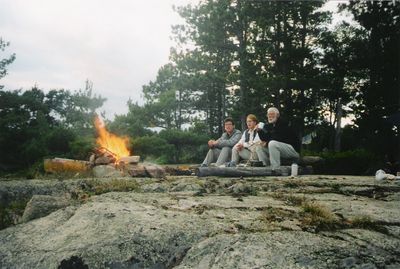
(273, 144)
(259, 149)
(226, 149)
(235, 150)
(210, 151)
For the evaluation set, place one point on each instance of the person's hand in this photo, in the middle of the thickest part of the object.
(264, 143)
(211, 143)
(239, 146)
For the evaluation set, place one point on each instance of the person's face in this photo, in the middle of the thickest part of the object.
(272, 116)
(251, 123)
(229, 127)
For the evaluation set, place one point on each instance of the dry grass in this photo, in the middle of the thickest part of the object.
(274, 214)
(118, 185)
(289, 199)
(319, 216)
(295, 200)
(88, 188)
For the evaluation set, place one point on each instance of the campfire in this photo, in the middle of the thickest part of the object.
(111, 158)
(112, 148)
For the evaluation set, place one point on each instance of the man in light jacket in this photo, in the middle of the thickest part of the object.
(220, 150)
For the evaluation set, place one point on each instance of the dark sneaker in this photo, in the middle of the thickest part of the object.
(203, 165)
(230, 164)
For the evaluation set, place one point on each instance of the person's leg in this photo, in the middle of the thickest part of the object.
(253, 156)
(263, 154)
(245, 154)
(277, 150)
(235, 155)
(212, 155)
(224, 156)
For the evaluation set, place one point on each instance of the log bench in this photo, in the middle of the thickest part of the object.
(249, 171)
(305, 168)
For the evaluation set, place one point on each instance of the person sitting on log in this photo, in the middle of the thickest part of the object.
(220, 150)
(279, 141)
(246, 147)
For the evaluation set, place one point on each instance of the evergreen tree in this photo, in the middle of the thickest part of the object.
(5, 61)
(379, 95)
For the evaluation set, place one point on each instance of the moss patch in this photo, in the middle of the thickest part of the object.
(10, 214)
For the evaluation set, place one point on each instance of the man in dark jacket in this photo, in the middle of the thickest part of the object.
(279, 141)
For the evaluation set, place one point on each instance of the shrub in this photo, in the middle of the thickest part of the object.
(58, 141)
(81, 148)
(189, 147)
(152, 147)
(354, 162)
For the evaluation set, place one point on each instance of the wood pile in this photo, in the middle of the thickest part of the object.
(104, 163)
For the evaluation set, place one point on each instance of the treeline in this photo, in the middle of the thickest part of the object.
(35, 125)
(235, 57)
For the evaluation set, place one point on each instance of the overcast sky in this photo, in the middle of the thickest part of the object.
(118, 45)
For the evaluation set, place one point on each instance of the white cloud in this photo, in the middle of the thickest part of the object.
(118, 45)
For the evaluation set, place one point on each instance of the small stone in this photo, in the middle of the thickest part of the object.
(348, 262)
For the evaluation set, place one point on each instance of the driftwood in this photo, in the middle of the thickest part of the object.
(249, 171)
(65, 165)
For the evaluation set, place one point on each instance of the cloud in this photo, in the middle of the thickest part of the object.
(118, 45)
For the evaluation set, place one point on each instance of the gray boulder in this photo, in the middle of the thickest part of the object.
(42, 205)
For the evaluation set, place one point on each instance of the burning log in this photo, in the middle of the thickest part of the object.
(102, 156)
(107, 164)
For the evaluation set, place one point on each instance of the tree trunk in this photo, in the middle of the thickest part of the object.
(338, 129)
(242, 55)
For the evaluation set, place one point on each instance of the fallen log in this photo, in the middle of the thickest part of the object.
(65, 165)
(248, 171)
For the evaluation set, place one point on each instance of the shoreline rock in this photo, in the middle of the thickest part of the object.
(187, 222)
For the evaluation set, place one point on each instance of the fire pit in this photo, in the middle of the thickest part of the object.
(111, 159)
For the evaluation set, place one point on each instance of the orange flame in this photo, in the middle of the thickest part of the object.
(111, 142)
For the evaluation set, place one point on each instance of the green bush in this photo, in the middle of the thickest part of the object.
(81, 147)
(171, 146)
(58, 141)
(152, 147)
(354, 162)
(189, 147)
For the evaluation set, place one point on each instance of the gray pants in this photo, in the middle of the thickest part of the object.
(220, 156)
(245, 154)
(276, 150)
